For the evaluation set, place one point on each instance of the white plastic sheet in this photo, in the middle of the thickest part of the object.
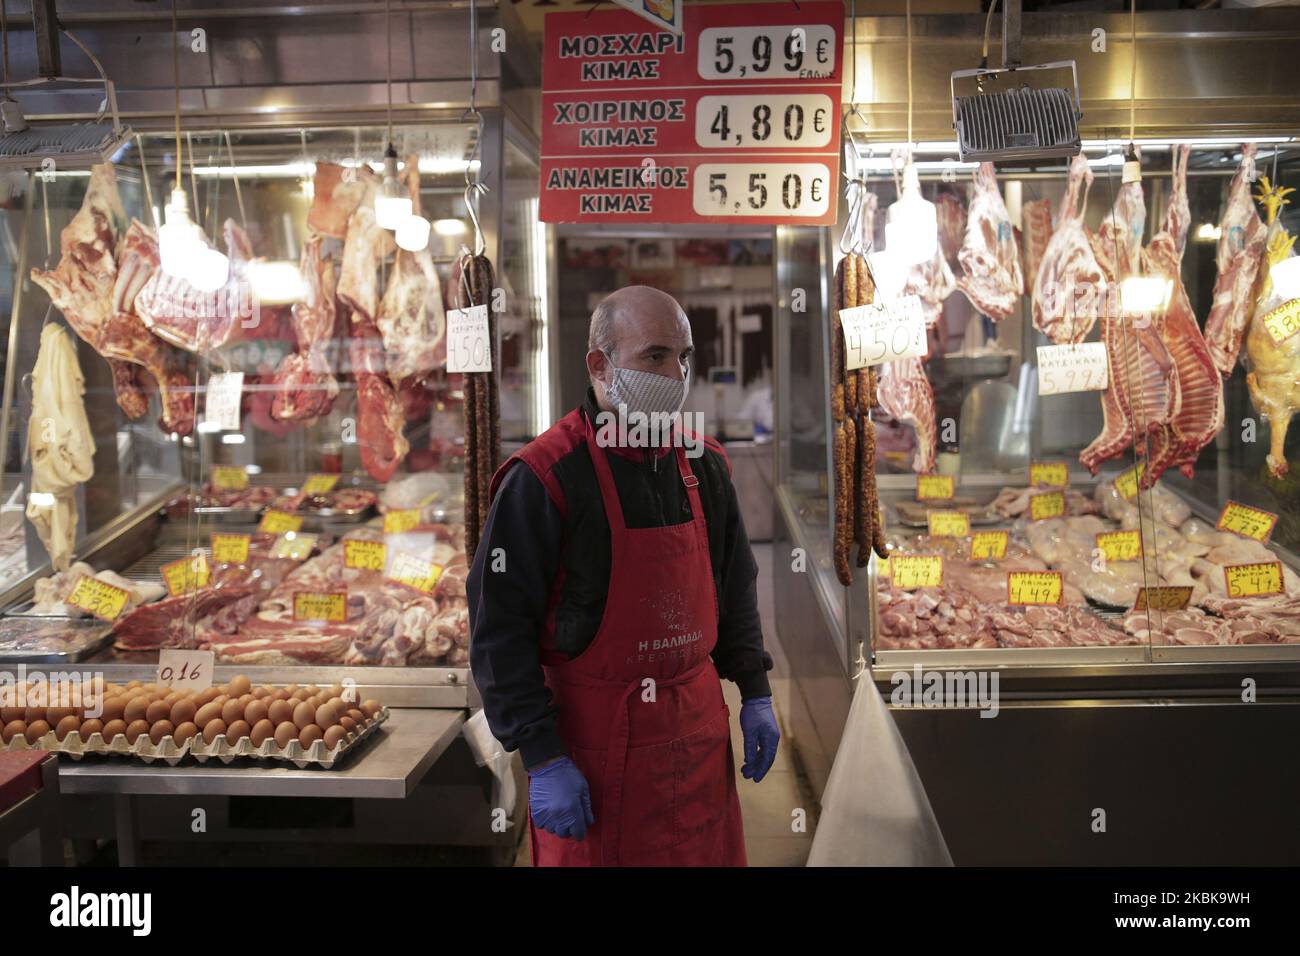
(875, 811)
(488, 752)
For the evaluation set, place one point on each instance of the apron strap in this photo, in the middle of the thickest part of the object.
(608, 490)
(692, 484)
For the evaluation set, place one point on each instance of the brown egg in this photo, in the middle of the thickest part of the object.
(279, 712)
(348, 724)
(280, 694)
(136, 708)
(9, 714)
(173, 697)
(336, 690)
(334, 736)
(238, 731)
(114, 728)
(315, 701)
(256, 711)
(312, 690)
(113, 709)
(36, 730)
(54, 715)
(205, 696)
(33, 713)
(207, 713)
(303, 715)
(136, 729)
(309, 735)
(356, 714)
(134, 684)
(240, 686)
(15, 728)
(261, 692)
(68, 725)
(291, 689)
(182, 711)
(163, 728)
(298, 696)
(327, 715)
(285, 732)
(261, 730)
(232, 711)
(184, 732)
(213, 729)
(371, 707)
(157, 711)
(92, 726)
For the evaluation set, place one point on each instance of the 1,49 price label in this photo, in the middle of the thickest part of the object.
(778, 52)
(789, 121)
(874, 334)
(762, 189)
(911, 571)
(468, 340)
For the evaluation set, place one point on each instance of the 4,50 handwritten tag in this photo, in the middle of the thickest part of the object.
(366, 555)
(1080, 367)
(988, 546)
(883, 332)
(468, 340)
(949, 524)
(1253, 580)
(1247, 521)
(911, 571)
(1035, 587)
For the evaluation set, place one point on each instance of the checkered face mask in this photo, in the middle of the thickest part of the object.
(646, 392)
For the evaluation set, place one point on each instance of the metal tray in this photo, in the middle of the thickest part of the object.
(94, 636)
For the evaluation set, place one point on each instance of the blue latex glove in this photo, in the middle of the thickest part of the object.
(559, 799)
(758, 723)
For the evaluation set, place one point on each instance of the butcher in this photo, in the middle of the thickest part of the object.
(611, 591)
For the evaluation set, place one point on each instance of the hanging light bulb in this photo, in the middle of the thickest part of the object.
(179, 239)
(392, 208)
(450, 227)
(1142, 295)
(413, 233)
(912, 226)
(276, 283)
(1285, 276)
(209, 270)
(889, 274)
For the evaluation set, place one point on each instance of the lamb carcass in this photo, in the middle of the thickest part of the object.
(380, 416)
(905, 393)
(305, 387)
(1070, 288)
(1242, 237)
(336, 192)
(365, 246)
(932, 282)
(1036, 223)
(950, 213)
(990, 261)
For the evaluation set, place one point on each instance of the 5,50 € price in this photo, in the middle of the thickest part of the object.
(762, 189)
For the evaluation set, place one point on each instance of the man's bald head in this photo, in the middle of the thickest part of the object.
(639, 328)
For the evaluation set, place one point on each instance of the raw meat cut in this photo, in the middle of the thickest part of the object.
(366, 245)
(951, 214)
(129, 388)
(1117, 243)
(1070, 289)
(933, 282)
(1036, 233)
(990, 261)
(305, 386)
(1274, 376)
(905, 393)
(1242, 237)
(336, 191)
(380, 420)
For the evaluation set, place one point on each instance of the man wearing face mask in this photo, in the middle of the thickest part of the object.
(628, 590)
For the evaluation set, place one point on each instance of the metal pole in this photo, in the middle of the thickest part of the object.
(11, 359)
(1011, 33)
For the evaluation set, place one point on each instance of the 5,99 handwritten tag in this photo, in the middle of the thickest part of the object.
(185, 670)
(468, 340)
(1120, 545)
(988, 546)
(949, 524)
(186, 575)
(1253, 580)
(883, 332)
(1072, 368)
(1247, 521)
(1049, 504)
(911, 571)
(1035, 587)
(935, 487)
(1284, 321)
(1163, 599)
(1049, 474)
(366, 555)
(328, 606)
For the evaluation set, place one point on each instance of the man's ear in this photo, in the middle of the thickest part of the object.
(597, 364)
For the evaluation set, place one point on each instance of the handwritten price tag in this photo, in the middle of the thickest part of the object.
(1120, 545)
(366, 555)
(186, 575)
(229, 478)
(397, 522)
(278, 522)
(1163, 599)
(230, 548)
(99, 598)
(468, 340)
(1049, 504)
(328, 606)
(1049, 474)
(414, 572)
(1035, 587)
(1253, 580)
(225, 393)
(319, 484)
(912, 571)
(883, 332)
(1072, 368)
(949, 524)
(185, 670)
(293, 545)
(1247, 521)
(1284, 321)
(1127, 482)
(988, 546)
(935, 487)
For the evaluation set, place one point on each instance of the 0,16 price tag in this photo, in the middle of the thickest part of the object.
(469, 346)
(884, 332)
(185, 670)
(1072, 368)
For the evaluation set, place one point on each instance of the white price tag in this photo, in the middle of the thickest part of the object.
(777, 121)
(779, 52)
(468, 346)
(185, 670)
(883, 332)
(225, 390)
(1072, 368)
(761, 189)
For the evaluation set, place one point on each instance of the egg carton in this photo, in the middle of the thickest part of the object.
(172, 753)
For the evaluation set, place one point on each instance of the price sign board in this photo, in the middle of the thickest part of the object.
(229, 478)
(330, 607)
(401, 520)
(469, 348)
(221, 408)
(414, 572)
(1120, 545)
(319, 484)
(365, 555)
(278, 522)
(1165, 598)
(103, 600)
(735, 119)
(949, 524)
(912, 571)
(874, 334)
(1072, 368)
(1247, 521)
(1035, 587)
(294, 545)
(1048, 504)
(931, 487)
(1049, 474)
(1284, 321)
(1253, 580)
(186, 574)
(230, 548)
(1127, 482)
(185, 670)
(988, 546)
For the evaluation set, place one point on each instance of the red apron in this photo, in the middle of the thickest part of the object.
(641, 708)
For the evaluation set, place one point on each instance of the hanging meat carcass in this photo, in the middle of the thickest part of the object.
(364, 248)
(336, 193)
(1036, 219)
(932, 282)
(990, 260)
(905, 393)
(950, 214)
(1070, 289)
(305, 387)
(380, 417)
(1242, 239)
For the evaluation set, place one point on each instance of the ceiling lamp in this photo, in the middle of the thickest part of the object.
(888, 273)
(413, 234)
(450, 227)
(391, 207)
(1143, 295)
(276, 283)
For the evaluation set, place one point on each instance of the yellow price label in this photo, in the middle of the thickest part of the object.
(1127, 482)
(1049, 504)
(883, 567)
(366, 555)
(935, 487)
(414, 572)
(1247, 521)
(279, 522)
(396, 522)
(294, 546)
(1120, 545)
(949, 524)
(328, 606)
(230, 548)
(319, 484)
(1253, 580)
(988, 546)
(99, 598)
(1049, 474)
(229, 477)
(1035, 587)
(911, 571)
(1284, 321)
(186, 575)
(1163, 599)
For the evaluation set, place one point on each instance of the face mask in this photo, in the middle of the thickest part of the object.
(645, 392)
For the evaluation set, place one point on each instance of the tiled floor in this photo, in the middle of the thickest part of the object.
(769, 807)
